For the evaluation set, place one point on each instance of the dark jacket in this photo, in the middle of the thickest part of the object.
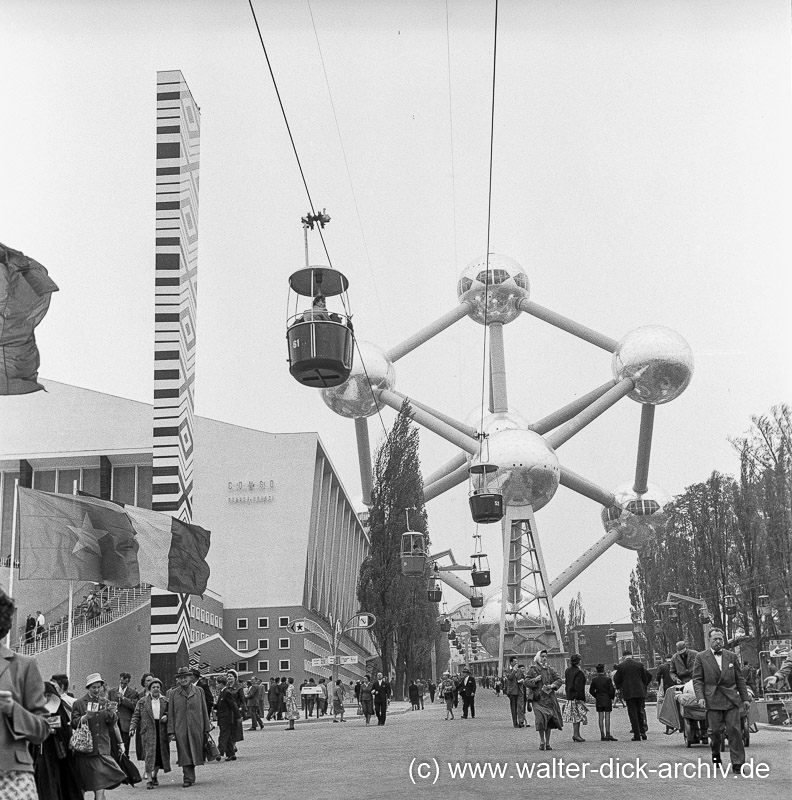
(227, 708)
(381, 691)
(603, 691)
(721, 688)
(575, 683)
(632, 678)
(126, 705)
(467, 686)
(682, 665)
(664, 678)
(273, 694)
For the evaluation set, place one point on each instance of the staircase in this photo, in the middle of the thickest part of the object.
(116, 603)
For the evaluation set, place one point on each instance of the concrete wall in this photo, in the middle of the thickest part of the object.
(120, 646)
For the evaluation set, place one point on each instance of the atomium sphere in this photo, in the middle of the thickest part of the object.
(658, 359)
(354, 398)
(499, 421)
(528, 470)
(499, 294)
(489, 623)
(640, 516)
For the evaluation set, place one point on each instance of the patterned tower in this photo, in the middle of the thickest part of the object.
(178, 158)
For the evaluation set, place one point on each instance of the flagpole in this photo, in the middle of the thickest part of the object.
(13, 549)
(69, 628)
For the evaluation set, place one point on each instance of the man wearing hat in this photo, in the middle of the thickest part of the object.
(188, 724)
(22, 720)
(126, 696)
(467, 688)
(201, 683)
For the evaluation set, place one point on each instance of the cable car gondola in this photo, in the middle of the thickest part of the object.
(485, 497)
(320, 341)
(445, 625)
(481, 570)
(764, 605)
(730, 603)
(476, 599)
(435, 591)
(413, 554)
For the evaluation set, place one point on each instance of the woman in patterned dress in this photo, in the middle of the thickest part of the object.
(292, 706)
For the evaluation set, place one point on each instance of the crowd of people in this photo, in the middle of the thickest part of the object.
(55, 746)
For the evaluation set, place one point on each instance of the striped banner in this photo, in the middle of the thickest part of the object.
(178, 160)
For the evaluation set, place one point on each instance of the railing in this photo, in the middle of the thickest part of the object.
(6, 562)
(124, 602)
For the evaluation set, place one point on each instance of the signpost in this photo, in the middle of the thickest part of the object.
(360, 621)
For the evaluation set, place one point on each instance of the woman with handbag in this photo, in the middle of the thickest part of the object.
(95, 721)
(544, 682)
(22, 713)
(151, 718)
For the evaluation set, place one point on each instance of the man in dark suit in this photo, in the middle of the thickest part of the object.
(682, 663)
(513, 690)
(127, 698)
(380, 692)
(632, 678)
(720, 688)
(467, 688)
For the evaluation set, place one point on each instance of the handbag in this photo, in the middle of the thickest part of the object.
(211, 753)
(359, 711)
(81, 740)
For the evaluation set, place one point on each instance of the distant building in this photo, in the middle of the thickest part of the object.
(591, 642)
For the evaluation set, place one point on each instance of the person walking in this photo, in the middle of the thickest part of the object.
(282, 689)
(127, 698)
(367, 698)
(432, 688)
(188, 724)
(447, 688)
(421, 691)
(201, 683)
(603, 691)
(513, 689)
(22, 713)
(273, 698)
(545, 682)
(151, 718)
(381, 692)
(412, 692)
(292, 704)
(228, 715)
(720, 688)
(96, 770)
(575, 710)
(322, 698)
(681, 667)
(467, 688)
(338, 700)
(632, 678)
(252, 702)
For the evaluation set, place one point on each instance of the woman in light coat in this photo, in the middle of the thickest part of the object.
(151, 719)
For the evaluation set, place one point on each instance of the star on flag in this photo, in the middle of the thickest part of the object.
(87, 537)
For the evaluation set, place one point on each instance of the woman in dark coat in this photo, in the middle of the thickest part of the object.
(151, 719)
(239, 693)
(575, 710)
(97, 770)
(228, 715)
(413, 692)
(603, 691)
(543, 680)
(56, 773)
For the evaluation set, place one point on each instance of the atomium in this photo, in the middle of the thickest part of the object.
(356, 397)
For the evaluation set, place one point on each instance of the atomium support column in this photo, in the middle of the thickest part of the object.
(178, 158)
(364, 459)
(528, 617)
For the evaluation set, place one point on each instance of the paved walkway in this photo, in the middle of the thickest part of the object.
(321, 760)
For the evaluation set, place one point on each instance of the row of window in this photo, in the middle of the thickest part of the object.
(263, 622)
(284, 665)
(263, 644)
(215, 620)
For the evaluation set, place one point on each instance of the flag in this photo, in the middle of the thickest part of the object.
(25, 290)
(68, 537)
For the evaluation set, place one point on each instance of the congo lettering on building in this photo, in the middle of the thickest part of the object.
(251, 491)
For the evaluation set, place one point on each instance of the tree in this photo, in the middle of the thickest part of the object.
(406, 622)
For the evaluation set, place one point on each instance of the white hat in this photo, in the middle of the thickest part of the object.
(94, 677)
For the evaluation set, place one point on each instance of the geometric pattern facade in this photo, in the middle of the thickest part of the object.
(176, 262)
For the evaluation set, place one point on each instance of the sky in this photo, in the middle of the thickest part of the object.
(640, 175)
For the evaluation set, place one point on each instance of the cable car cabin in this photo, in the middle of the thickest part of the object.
(730, 604)
(435, 592)
(451, 635)
(320, 341)
(445, 625)
(485, 499)
(413, 554)
(476, 599)
(764, 605)
(481, 571)
(673, 613)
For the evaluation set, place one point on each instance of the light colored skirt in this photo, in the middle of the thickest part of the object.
(17, 785)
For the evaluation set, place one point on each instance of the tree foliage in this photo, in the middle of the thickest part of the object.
(406, 623)
(725, 537)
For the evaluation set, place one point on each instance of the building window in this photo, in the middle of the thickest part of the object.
(263, 666)
(242, 644)
(284, 665)
(283, 644)
(263, 622)
(66, 479)
(242, 624)
(44, 480)
(124, 485)
(283, 622)
(242, 666)
(263, 644)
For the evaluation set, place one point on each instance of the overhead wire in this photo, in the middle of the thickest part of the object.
(288, 128)
(349, 173)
